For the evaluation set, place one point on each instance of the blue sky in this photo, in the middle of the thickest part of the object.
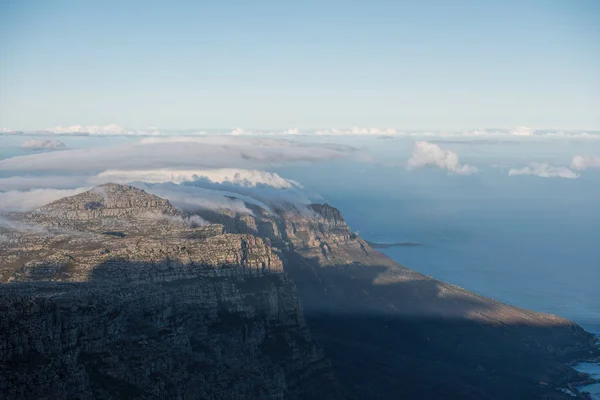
(310, 64)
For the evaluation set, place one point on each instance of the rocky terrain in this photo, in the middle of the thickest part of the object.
(114, 293)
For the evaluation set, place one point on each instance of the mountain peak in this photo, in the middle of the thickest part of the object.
(112, 200)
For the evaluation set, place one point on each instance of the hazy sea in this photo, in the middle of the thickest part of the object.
(528, 241)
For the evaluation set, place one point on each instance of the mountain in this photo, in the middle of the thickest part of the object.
(115, 293)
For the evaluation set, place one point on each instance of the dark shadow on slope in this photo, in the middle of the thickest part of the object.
(399, 340)
(408, 340)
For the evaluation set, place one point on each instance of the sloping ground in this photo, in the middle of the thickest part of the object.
(442, 341)
(394, 333)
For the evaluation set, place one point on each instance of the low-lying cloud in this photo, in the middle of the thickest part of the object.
(40, 144)
(544, 170)
(10, 225)
(427, 154)
(193, 198)
(201, 152)
(191, 221)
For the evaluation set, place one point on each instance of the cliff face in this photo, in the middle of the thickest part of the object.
(156, 309)
(204, 338)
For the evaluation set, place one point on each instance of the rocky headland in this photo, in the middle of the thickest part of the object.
(115, 293)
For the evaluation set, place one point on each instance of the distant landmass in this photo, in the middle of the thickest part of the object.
(113, 293)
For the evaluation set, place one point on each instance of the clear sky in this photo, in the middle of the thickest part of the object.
(308, 64)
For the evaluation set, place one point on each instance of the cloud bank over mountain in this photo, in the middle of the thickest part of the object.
(193, 172)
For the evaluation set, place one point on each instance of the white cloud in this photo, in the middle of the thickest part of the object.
(427, 154)
(357, 131)
(522, 131)
(238, 131)
(16, 200)
(112, 129)
(241, 177)
(291, 131)
(544, 170)
(581, 163)
(39, 144)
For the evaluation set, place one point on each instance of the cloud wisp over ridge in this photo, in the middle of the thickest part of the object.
(427, 154)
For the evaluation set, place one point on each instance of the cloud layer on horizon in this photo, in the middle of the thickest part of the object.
(523, 133)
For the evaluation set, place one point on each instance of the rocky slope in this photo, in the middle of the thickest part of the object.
(114, 293)
(157, 309)
(394, 333)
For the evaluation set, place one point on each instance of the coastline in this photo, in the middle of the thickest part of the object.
(387, 245)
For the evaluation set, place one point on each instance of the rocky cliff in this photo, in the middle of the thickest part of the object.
(394, 333)
(114, 293)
